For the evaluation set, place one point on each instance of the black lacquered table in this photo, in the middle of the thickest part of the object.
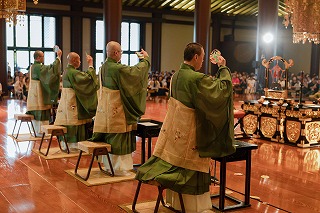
(147, 128)
(243, 152)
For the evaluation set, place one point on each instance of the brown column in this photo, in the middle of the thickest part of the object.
(156, 42)
(76, 31)
(201, 29)
(3, 56)
(112, 17)
(315, 58)
(267, 23)
(216, 32)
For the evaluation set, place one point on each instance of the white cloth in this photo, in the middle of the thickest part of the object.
(192, 203)
(67, 112)
(37, 125)
(122, 164)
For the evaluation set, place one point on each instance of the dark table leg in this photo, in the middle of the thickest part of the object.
(248, 176)
(149, 147)
(143, 150)
(223, 176)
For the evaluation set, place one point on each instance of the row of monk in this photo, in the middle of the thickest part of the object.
(197, 127)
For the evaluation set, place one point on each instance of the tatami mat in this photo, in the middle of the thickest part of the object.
(55, 152)
(27, 137)
(148, 207)
(98, 178)
(145, 207)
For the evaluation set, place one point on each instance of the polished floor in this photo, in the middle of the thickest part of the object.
(284, 178)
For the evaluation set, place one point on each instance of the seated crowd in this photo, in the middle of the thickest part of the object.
(18, 85)
(244, 83)
(159, 83)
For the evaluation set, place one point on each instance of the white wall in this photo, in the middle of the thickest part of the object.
(174, 39)
(148, 40)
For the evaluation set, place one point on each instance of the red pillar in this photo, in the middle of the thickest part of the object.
(201, 29)
(3, 56)
(112, 18)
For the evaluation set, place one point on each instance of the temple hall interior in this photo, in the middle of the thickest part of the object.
(271, 48)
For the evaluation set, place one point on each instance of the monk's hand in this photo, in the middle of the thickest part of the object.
(90, 60)
(144, 53)
(221, 61)
(59, 53)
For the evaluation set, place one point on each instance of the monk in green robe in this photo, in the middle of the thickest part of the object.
(198, 125)
(122, 101)
(43, 88)
(78, 101)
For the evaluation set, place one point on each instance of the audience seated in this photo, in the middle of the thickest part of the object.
(18, 87)
(163, 89)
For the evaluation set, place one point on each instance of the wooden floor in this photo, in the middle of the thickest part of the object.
(284, 178)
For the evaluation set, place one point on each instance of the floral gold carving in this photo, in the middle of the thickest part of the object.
(293, 129)
(312, 131)
(250, 123)
(268, 126)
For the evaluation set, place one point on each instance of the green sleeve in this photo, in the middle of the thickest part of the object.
(85, 86)
(214, 115)
(50, 81)
(134, 82)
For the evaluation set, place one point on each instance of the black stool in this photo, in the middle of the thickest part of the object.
(95, 149)
(160, 198)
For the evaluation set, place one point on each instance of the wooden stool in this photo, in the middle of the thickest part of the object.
(54, 131)
(96, 149)
(23, 118)
(160, 197)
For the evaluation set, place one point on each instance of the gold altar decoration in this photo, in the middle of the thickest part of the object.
(268, 126)
(312, 131)
(293, 131)
(12, 10)
(277, 94)
(250, 124)
(269, 110)
(304, 16)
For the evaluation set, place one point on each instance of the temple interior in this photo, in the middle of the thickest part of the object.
(273, 52)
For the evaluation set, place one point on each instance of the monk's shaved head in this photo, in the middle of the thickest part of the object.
(74, 59)
(114, 50)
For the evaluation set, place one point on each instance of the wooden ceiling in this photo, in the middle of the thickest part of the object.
(224, 7)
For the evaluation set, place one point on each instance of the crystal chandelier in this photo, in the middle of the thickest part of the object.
(304, 16)
(13, 10)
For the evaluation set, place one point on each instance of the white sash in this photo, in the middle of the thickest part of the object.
(177, 139)
(110, 116)
(35, 97)
(67, 112)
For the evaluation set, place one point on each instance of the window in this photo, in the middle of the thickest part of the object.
(34, 33)
(130, 43)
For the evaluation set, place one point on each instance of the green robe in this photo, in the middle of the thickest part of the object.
(49, 77)
(85, 86)
(132, 83)
(213, 103)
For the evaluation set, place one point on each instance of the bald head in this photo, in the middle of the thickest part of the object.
(74, 59)
(114, 50)
(38, 56)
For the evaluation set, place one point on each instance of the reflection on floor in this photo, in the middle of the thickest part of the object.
(283, 179)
